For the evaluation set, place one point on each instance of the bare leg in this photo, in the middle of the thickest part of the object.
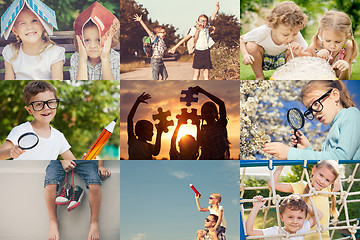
(258, 53)
(95, 203)
(196, 74)
(206, 74)
(50, 195)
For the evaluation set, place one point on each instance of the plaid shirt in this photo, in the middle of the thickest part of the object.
(159, 48)
(221, 235)
(95, 73)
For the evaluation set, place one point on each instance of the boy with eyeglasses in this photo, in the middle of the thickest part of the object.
(41, 102)
(158, 49)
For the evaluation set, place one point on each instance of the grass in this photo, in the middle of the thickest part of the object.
(246, 72)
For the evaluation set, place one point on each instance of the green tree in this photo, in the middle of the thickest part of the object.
(86, 107)
(351, 8)
(227, 30)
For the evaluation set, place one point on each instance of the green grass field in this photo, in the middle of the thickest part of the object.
(246, 72)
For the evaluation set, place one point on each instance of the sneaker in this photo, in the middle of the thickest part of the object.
(64, 196)
(76, 198)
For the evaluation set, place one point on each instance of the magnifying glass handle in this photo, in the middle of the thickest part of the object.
(295, 146)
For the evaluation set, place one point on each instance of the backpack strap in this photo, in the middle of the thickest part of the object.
(155, 40)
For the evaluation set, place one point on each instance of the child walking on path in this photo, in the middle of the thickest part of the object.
(273, 44)
(213, 137)
(33, 56)
(330, 103)
(325, 178)
(334, 42)
(216, 209)
(293, 212)
(139, 148)
(203, 43)
(158, 49)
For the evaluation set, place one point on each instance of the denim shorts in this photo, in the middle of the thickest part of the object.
(87, 170)
(158, 68)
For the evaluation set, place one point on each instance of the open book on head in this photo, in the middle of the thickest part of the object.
(106, 22)
(45, 14)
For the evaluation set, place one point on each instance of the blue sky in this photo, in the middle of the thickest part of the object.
(158, 204)
(183, 14)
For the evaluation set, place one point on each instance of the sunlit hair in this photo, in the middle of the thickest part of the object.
(326, 85)
(288, 14)
(34, 87)
(334, 168)
(294, 203)
(218, 197)
(44, 38)
(141, 126)
(189, 148)
(338, 22)
(114, 41)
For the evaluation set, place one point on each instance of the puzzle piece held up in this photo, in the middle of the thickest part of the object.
(189, 96)
(185, 115)
(161, 116)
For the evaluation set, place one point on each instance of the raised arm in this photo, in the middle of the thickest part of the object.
(138, 18)
(130, 125)
(212, 18)
(279, 186)
(157, 147)
(312, 219)
(219, 219)
(218, 101)
(251, 218)
(174, 137)
(200, 209)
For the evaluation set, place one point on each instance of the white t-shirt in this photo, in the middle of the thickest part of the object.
(204, 40)
(274, 231)
(217, 213)
(34, 67)
(262, 36)
(47, 148)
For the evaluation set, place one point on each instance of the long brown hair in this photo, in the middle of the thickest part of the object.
(333, 167)
(345, 98)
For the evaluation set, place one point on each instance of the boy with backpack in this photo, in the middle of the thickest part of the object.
(158, 47)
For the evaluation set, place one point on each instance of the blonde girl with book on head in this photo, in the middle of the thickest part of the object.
(33, 56)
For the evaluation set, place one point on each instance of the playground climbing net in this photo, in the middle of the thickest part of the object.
(351, 225)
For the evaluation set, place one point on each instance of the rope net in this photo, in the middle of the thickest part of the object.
(273, 202)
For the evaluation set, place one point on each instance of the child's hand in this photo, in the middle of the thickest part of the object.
(301, 141)
(259, 202)
(68, 165)
(342, 65)
(324, 53)
(181, 121)
(105, 51)
(160, 127)
(197, 89)
(82, 50)
(104, 173)
(16, 151)
(277, 149)
(248, 59)
(296, 48)
(137, 18)
(197, 197)
(143, 97)
(217, 6)
(172, 50)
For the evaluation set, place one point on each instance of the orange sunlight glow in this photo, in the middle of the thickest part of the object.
(186, 129)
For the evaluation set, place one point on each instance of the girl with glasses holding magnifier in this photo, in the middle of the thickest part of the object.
(328, 102)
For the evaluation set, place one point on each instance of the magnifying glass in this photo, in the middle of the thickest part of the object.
(27, 141)
(296, 120)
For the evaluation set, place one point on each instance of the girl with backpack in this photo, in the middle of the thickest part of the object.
(202, 43)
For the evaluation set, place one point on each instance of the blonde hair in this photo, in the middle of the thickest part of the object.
(338, 22)
(345, 98)
(334, 168)
(218, 197)
(44, 38)
(287, 13)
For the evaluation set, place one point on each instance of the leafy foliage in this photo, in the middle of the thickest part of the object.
(86, 107)
(227, 30)
(226, 62)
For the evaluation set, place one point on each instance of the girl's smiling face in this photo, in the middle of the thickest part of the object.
(28, 27)
(322, 178)
(331, 104)
(333, 41)
(92, 41)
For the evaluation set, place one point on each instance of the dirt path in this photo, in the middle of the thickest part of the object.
(176, 71)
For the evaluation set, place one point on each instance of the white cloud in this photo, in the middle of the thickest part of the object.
(180, 174)
(139, 236)
(235, 201)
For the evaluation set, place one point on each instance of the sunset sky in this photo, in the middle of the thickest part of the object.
(166, 94)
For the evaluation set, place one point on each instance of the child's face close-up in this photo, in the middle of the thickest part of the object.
(202, 21)
(322, 178)
(212, 200)
(293, 220)
(148, 133)
(92, 42)
(208, 114)
(329, 105)
(161, 33)
(333, 41)
(283, 34)
(42, 112)
(28, 27)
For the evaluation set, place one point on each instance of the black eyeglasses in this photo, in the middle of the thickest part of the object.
(39, 105)
(208, 220)
(316, 106)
